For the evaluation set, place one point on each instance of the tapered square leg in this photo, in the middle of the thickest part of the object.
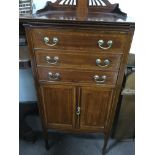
(47, 144)
(105, 145)
(45, 134)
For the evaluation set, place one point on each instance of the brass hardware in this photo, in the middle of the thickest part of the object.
(100, 79)
(101, 44)
(55, 40)
(78, 111)
(106, 63)
(46, 39)
(53, 76)
(53, 60)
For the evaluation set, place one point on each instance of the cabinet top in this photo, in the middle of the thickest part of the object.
(80, 11)
(71, 17)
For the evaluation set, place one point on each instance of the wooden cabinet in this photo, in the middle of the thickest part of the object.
(78, 66)
(77, 88)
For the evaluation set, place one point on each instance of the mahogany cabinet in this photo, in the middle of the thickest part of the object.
(78, 63)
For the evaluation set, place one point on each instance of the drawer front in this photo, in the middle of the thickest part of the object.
(68, 39)
(75, 75)
(95, 61)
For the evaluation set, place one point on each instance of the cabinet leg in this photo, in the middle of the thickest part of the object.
(45, 133)
(105, 145)
(47, 144)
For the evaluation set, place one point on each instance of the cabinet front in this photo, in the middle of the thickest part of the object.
(59, 105)
(95, 106)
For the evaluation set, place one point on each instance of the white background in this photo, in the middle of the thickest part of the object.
(143, 46)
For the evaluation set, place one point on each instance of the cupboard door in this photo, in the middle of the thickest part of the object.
(59, 105)
(95, 105)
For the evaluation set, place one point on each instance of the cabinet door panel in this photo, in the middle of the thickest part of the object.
(59, 105)
(95, 104)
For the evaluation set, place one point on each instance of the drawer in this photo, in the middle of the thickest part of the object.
(91, 61)
(47, 38)
(76, 75)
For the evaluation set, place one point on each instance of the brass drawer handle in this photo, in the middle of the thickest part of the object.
(101, 44)
(53, 76)
(55, 40)
(100, 79)
(78, 111)
(105, 63)
(53, 60)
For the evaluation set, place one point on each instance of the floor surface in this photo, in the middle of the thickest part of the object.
(67, 144)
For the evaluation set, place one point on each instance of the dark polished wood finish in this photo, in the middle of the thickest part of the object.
(82, 7)
(76, 75)
(59, 105)
(75, 93)
(71, 39)
(85, 59)
(95, 103)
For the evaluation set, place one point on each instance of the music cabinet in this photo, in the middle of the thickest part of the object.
(79, 51)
